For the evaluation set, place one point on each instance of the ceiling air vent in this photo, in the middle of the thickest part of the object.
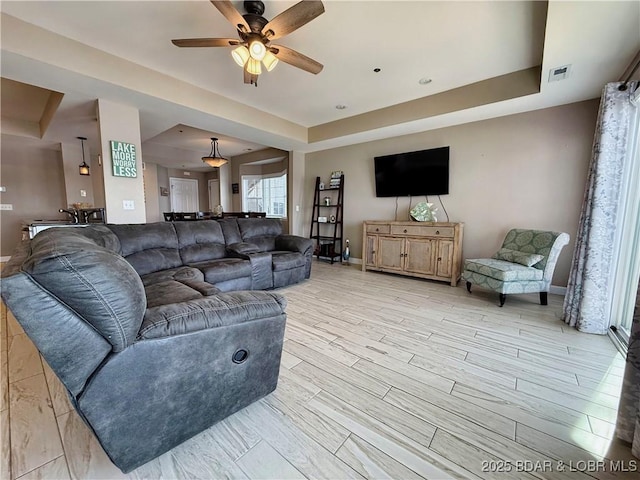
(559, 73)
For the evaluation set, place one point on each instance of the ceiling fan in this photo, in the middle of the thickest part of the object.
(256, 34)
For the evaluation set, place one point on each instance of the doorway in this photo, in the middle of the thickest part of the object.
(184, 195)
(214, 194)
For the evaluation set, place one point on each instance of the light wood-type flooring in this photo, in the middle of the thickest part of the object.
(382, 377)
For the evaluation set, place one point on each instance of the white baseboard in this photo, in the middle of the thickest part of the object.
(5, 259)
(556, 290)
(355, 261)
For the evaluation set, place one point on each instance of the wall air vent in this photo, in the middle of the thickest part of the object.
(559, 73)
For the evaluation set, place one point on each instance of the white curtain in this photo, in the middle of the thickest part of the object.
(587, 304)
(628, 423)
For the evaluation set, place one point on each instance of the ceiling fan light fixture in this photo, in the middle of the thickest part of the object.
(257, 50)
(253, 67)
(270, 61)
(214, 159)
(240, 55)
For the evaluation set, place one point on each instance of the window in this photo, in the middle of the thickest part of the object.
(265, 194)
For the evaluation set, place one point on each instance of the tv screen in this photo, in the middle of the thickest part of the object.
(425, 172)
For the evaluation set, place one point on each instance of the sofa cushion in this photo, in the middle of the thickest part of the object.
(216, 271)
(149, 247)
(502, 270)
(169, 291)
(180, 273)
(200, 241)
(260, 231)
(514, 256)
(230, 230)
(98, 284)
(287, 260)
(221, 310)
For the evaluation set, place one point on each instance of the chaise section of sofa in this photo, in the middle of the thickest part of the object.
(145, 377)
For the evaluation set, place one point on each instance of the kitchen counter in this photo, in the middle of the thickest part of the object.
(30, 228)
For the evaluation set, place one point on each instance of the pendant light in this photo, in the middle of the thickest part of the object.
(84, 168)
(214, 159)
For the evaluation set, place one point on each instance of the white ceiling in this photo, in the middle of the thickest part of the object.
(453, 43)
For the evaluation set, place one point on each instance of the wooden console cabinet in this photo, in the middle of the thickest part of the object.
(430, 250)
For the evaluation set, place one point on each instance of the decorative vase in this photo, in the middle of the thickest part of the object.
(345, 252)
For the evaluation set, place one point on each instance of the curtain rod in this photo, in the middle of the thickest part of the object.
(631, 69)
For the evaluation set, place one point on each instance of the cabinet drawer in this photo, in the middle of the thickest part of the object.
(422, 230)
(378, 228)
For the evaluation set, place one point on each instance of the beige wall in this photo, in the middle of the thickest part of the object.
(73, 181)
(122, 123)
(526, 170)
(151, 193)
(35, 187)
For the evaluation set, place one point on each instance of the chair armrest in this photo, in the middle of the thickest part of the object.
(222, 310)
(294, 243)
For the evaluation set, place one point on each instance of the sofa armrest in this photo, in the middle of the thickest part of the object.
(204, 288)
(222, 310)
(242, 249)
(294, 243)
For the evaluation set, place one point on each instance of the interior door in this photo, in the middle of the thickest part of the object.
(184, 195)
(214, 194)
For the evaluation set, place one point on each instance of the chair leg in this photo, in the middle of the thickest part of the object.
(469, 287)
(543, 298)
(503, 297)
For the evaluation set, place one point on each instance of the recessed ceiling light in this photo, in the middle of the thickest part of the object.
(341, 107)
(377, 70)
(424, 81)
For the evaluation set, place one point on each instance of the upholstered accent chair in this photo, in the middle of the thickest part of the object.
(524, 264)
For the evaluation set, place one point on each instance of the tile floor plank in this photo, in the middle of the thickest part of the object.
(382, 376)
(34, 432)
(264, 463)
(56, 469)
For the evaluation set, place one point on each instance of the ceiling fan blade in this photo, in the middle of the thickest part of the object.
(227, 9)
(292, 19)
(205, 42)
(290, 56)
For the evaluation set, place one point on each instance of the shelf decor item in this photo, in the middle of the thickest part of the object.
(321, 186)
(326, 219)
(424, 212)
(335, 179)
(346, 254)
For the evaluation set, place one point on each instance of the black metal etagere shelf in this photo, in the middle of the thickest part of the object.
(326, 221)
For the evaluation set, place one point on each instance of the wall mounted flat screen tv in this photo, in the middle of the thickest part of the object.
(425, 172)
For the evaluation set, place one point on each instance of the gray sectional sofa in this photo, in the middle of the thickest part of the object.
(157, 330)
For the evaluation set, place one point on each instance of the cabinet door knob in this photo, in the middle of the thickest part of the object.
(377, 229)
(405, 230)
(437, 232)
(439, 259)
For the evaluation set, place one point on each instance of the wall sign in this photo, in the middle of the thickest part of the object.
(123, 157)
